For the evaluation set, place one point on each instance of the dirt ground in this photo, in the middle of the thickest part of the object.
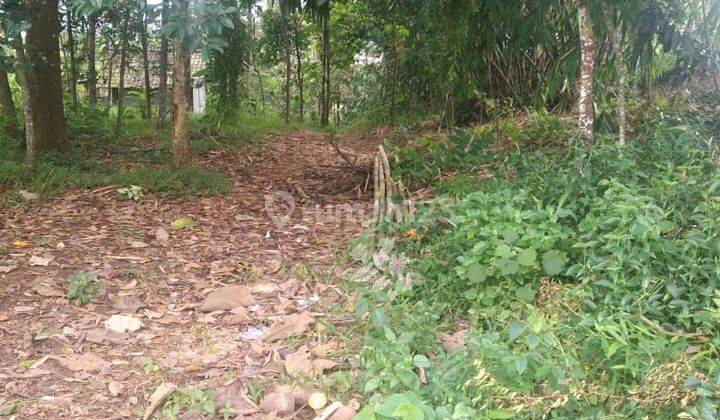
(160, 259)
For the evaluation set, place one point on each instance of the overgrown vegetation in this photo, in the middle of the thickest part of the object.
(575, 282)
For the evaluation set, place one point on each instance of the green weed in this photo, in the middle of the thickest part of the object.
(84, 287)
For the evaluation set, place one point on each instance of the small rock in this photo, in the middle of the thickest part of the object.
(281, 403)
(227, 298)
(161, 234)
(27, 195)
(115, 388)
(129, 304)
(123, 323)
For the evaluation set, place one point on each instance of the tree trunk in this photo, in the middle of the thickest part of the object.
(298, 58)
(71, 56)
(586, 119)
(622, 81)
(121, 81)
(7, 106)
(253, 28)
(110, 59)
(146, 61)
(91, 85)
(288, 65)
(45, 120)
(162, 88)
(325, 90)
(181, 106)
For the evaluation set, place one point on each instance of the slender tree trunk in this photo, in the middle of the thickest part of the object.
(146, 61)
(7, 105)
(71, 56)
(393, 86)
(45, 126)
(162, 88)
(123, 57)
(586, 119)
(622, 81)
(91, 85)
(110, 66)
(181, 106)
(288, 65)
(253, 28)
(325, 90)
(298, 58)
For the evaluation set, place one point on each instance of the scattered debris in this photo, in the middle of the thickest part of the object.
(280, 403)
(41, 261)
(123, 323)
(129, 304)
(294, 324)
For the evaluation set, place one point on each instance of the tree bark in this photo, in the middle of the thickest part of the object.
(91, 85)
(123, 58)
(586, 119)
(146, 61)
(71, 55)
(288, 65)
(181, 106)
(7, 106)
(253, 28)
(298, 58)
(325, 89)
(45, 119)
(162, 88)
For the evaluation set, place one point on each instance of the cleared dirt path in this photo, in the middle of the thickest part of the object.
(59, 360)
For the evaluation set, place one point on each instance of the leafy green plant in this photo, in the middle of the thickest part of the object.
(133, 192)
(84, 287)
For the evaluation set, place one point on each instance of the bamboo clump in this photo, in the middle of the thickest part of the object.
(390, 201)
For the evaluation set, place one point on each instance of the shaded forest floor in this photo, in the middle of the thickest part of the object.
(282, 321)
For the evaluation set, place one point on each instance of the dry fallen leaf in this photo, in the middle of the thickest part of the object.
(43, 287)
(41, 261)
(323, 349)
(8, 268)
(88, 362)
(294, 324)
(138, 244)
(301, 362)
(21, 244)
(280, 403)
(158, 398)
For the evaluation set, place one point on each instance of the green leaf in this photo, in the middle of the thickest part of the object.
(527, 257)
(476, 273)
(525, 293)
(421, 361)
(521, 365)
(407, 411)
(516, 330)
(226, 22)
(503, 251)
(500, 414)
(553, 262)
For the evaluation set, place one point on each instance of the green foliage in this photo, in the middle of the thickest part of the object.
(190, 399)
(132, 192)
(574, 276)
(84, 287)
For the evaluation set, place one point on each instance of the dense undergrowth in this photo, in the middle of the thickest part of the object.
(561, 282)
(138, 155)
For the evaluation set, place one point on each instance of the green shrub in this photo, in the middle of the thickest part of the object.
(84, 287)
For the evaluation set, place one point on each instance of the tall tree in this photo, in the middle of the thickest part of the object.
(146, 61)
(586, 118)
(91, 84)
(181, 84)
(72, 76)
(298, 69)
(44, 114)
(162, 86)
(325, 117)
(124, 35)
(7, 105)
(288, 63)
